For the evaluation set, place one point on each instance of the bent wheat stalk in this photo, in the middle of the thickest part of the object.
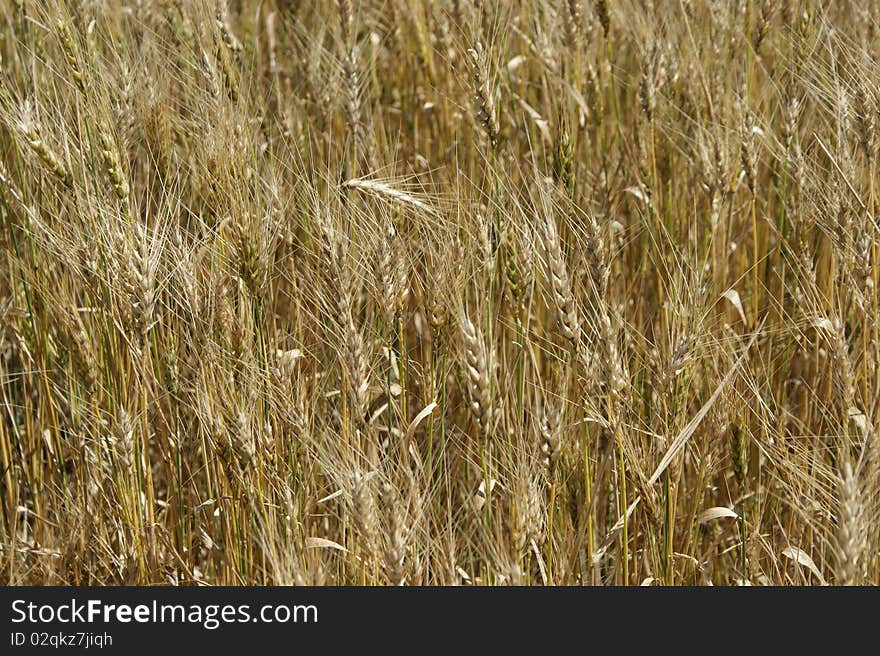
(385, 191)
(675, 448)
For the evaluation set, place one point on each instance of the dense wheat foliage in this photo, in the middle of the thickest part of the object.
(402, 292)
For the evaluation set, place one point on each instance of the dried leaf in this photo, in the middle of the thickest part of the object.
(733, 296)
(330, 496)
(638, 193)
(419, 418)
(716, 512)
(802, 558)
(322, 543)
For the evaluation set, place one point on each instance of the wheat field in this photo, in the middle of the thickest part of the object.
(399, 292)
